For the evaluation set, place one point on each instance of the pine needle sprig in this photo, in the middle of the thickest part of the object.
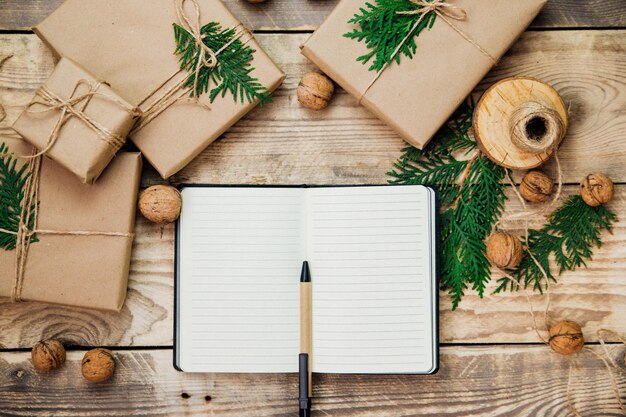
(12, 184)
(384, 30)
(471, 193)
(232, 73)
(570, 235)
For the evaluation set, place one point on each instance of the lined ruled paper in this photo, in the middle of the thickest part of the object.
(240, 254)
(370, 250)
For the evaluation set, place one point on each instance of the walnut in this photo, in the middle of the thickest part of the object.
(48, 355)
(98, 365)
(596, 189)
(504, 250)
(315, 91)
(536, 187)
(566, 338)
(160, 204)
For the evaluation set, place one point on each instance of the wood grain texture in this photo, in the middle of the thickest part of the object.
(308, 14)
(473, 381)
(284, 143)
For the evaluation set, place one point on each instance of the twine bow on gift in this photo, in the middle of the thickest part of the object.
(29, 215)
(74, 107)
(208, 59)
(447, 12)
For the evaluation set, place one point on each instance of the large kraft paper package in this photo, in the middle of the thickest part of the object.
(88, 270)
(417, 96)
(131, 44)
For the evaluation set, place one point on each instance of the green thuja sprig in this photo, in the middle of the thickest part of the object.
(230, 75)
(569, 236)
(12, 185)
(470, 207)
(384, 30)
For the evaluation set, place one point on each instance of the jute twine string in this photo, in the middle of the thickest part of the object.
(610, 364)
(75, 107)
(178, 93)
(550, 120)
(447, 12)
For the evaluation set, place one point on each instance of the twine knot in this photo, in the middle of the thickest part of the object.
(75, 106)
(439, 7)
(208, 57)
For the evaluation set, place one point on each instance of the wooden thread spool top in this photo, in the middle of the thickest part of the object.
(520, 122)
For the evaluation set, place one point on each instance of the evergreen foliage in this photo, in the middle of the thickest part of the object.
(12, 183)
(384, 30)
(470, 207)
(232, 73)
(569, 236)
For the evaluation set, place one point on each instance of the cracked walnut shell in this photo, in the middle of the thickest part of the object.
(315, 91)
(98, 365)
(566, 337)
(596, 189)
(160, 204)
(504, 250)
(48, 355)
(536, 187)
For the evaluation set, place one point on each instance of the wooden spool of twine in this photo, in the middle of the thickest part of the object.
(520, 122)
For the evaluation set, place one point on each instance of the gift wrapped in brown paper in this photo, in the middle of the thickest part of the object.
(456, 43)
(132, 45)
(77, 121)
(62, 241)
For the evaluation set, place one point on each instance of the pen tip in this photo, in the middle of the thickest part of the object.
(305, 275)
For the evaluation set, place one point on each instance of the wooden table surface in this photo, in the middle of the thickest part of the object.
(492, 363)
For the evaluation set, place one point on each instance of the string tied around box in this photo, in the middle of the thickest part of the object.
(27, 224)
(447, 12)
(74, 107)
(208, 58)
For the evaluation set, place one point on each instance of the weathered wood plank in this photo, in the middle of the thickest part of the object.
(595, 297)
(285, 143)
(473, 381)
(307, 15)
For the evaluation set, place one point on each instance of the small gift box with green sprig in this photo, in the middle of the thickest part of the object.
(413, 62)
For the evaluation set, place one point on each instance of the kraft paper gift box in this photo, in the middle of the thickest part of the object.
(77, 121)
(79, 253)
(131, 44)
(418, 95)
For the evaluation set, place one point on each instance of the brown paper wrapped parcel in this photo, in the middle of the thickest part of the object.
(417, 96)
(81, 246)
(131, 44)
(77, 121)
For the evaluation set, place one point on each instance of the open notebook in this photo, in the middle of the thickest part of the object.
(372, 256)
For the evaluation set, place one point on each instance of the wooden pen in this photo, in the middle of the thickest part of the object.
(306, 341)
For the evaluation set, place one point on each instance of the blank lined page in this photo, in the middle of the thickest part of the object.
(240, 254)
(370, 251)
